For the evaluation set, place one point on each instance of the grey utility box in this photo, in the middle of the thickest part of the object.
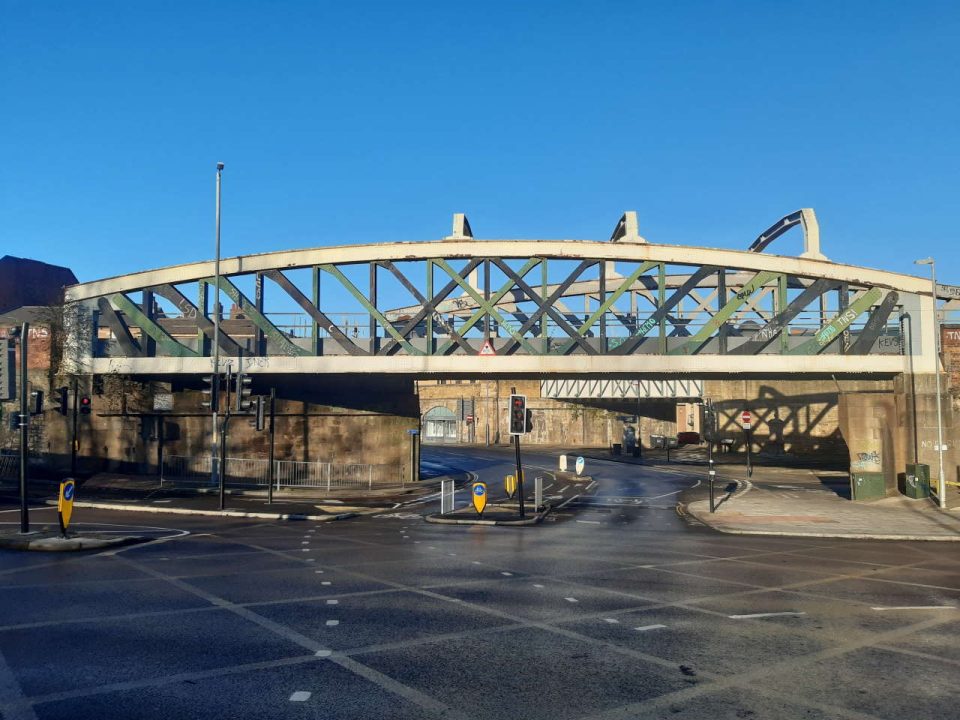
(917, 485)
(867, 486)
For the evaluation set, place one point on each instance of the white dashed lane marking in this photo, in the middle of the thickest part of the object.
(300, 696)
(763, 615)
(612, 621)
(571, 600)
(332, 623)
(917, 607)
(644, 628)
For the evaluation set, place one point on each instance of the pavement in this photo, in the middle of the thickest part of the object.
(797, 501)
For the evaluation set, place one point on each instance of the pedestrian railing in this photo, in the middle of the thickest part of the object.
(255, 472)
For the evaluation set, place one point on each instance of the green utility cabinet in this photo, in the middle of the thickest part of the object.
(867, 486)
(917, 485)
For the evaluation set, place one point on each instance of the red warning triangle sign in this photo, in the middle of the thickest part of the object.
(487, 348)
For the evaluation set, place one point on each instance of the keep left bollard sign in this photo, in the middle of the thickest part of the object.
(65, 503)
(479, 495)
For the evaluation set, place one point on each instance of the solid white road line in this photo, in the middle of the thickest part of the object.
(763, 615)
(644, 628)
(917, 607)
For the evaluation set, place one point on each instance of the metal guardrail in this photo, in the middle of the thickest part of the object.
(254, 472)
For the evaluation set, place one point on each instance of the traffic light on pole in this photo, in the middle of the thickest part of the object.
(85, 406)
(63, 402)
(36, 402)
(518, 414)
(211, 386)
(260, 412)
(243, 402)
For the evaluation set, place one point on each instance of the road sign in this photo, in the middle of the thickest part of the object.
(479, 495)
(65, 504)
(746, 419)
(510, 484)
(563, 463)
(487, 348)
(469, 418)
(579, 466)
(413, 432)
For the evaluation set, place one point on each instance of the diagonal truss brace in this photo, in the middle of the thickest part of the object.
(710, 327)
(273, 333)
(192, 312)
(487, 306)
(834, 329)
(608, 303)
(769, 332)
(494, 299)
(314, 312)
(427, 307)
(149, 327)
(369, 307)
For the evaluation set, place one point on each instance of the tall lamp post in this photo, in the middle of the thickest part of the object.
(215, 385)
(941, 484)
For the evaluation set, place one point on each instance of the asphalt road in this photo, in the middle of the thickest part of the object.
(617, 608)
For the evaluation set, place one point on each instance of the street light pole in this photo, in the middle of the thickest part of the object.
(941, 484)
(215, 385)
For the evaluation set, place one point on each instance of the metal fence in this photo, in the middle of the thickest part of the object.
(255, 472)
(9, 465)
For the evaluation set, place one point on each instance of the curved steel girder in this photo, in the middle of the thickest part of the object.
(507, 249)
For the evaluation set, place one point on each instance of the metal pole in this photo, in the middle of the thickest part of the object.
(516, 444)
(749, 464)
(270, 472)
(712, 474)
(941, 484)
(223, 440)
(24, 420)
(74, 442)
(215, 390)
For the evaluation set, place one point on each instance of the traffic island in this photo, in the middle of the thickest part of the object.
(492, 515)
(51, 541)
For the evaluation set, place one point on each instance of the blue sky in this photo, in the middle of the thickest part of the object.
(365, 122)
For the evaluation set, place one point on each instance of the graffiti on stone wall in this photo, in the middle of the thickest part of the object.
(866, 460)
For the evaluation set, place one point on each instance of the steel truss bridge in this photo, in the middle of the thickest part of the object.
(466, 307)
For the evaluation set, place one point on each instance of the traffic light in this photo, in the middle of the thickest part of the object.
(518, 414)
(529, 425)
(242, 388)
(259, 421)
(210, 391)
(85, 405)
(36, 402)
(14, 420)
(8, 371)
(63, 403)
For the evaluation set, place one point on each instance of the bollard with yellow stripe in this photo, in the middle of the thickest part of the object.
(65, 504)
(510, 485)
